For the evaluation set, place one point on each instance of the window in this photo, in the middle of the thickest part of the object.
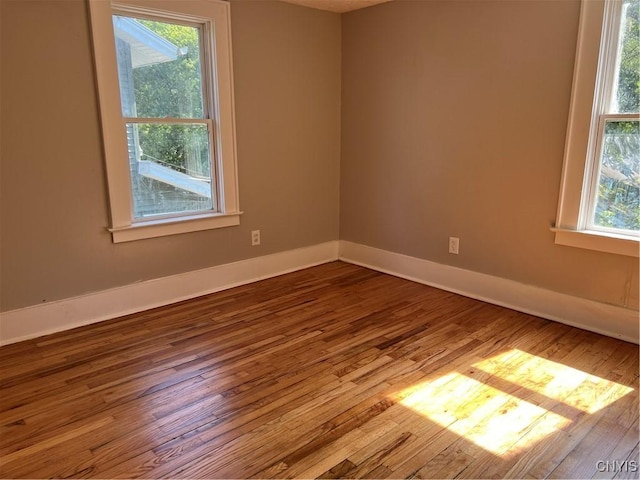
(600, 193)
(166, 99)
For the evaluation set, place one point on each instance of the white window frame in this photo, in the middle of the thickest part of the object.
(593, 76)
(216, 18)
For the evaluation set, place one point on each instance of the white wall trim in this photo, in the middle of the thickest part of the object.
(610, 320)
(51, 317)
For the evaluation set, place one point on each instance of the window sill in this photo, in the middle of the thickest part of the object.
(174, 226)
(602, 242)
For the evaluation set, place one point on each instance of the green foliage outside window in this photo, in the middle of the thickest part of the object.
(173, 89)
(618, 202)
(618, 199)
(628, 88)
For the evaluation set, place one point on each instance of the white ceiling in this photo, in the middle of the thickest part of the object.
(338, 6)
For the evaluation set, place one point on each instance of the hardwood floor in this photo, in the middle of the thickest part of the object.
(332, 372)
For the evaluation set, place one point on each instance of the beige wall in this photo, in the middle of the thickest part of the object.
(53, 198)
(454, 117)
(453, 124)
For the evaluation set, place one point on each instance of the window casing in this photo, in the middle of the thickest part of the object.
(171, 162)
(596, 131)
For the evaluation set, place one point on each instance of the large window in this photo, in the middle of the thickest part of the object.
(600, 196)
(164, 78)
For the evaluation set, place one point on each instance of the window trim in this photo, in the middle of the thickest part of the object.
(212, 13)
(580, 162)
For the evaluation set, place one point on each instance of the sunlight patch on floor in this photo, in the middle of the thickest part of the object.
(490, 418)
(568, 385)
(478, 409)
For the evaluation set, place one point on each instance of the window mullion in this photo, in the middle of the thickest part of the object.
(619, 116)
(165, 120)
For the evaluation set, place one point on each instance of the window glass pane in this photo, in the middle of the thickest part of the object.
(158, 68)
(170, 168)
(618, 197)
(626, 95)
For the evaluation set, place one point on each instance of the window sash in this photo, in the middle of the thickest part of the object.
(215, 194)
(207, 108)
(607, 72)
(206, 40)
(608, 59)
(593, 177)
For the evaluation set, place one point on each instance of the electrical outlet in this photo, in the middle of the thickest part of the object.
(255, 237)
(454, 245)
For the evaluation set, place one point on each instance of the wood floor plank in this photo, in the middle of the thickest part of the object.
(334, 372)
(631, 466)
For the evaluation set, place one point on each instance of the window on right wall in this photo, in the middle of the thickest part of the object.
(599, 204)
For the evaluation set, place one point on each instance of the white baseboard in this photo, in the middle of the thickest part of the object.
(578, 312)
(51, 317)
(38, 320)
